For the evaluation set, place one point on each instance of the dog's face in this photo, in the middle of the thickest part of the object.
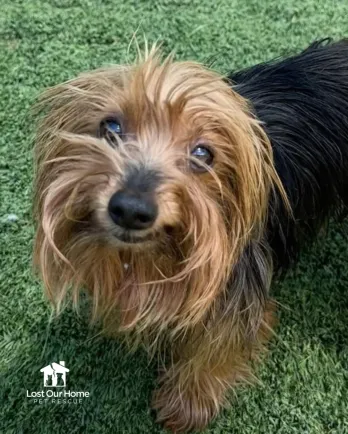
(148, 177)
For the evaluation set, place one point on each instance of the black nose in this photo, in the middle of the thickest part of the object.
(132, 210)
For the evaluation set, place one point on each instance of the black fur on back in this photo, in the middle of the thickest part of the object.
(302, 102)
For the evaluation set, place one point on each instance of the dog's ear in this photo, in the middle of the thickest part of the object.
(66, 150)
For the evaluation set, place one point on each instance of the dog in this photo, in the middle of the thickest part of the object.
(173, 194)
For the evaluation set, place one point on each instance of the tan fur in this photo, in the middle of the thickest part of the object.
(174, 289)
(194, 388)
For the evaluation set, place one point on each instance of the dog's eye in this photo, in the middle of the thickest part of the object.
(109, 129)
(203, 155)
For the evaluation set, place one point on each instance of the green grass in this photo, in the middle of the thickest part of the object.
(304, 381)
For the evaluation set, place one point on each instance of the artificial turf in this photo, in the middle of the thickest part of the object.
(304, 380)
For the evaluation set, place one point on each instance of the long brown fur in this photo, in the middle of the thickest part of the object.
(172, 291)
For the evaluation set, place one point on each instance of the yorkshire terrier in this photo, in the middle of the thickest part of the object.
(172, 194)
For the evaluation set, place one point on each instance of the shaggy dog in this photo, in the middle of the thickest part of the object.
(173, 194)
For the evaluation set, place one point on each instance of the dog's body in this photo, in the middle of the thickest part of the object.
(169, 192)
(302, 102)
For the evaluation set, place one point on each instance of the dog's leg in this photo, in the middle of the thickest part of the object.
(195, 386)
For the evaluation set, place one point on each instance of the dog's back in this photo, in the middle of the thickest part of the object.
(302, 102)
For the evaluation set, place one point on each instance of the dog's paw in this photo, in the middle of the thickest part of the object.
(183, 411)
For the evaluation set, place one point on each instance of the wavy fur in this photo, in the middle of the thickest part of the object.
(198, 288)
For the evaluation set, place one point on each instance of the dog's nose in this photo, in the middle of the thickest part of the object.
(132, 210)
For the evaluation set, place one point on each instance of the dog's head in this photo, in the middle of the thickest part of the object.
(151, 179)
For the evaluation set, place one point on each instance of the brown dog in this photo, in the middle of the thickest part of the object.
(157, 191)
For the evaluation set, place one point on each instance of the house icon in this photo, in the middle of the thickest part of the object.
(55, 374)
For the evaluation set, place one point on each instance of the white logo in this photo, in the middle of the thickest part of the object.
(55, 374)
